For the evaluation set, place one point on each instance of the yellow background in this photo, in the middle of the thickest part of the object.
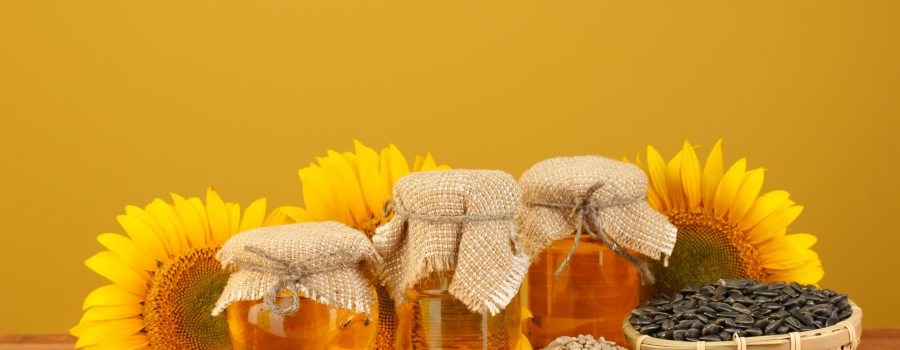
(108, 103)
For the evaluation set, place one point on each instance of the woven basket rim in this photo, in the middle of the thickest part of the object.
(855, 321)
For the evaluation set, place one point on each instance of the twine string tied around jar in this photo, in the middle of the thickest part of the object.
(290, 273)
(585, 215)
(393, 206)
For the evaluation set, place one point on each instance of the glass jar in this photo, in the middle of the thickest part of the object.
(314, 326)
(431, 318)
(592, 295)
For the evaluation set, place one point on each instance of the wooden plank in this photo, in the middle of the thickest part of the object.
(880, 339)
(36, 341)
(873, 339)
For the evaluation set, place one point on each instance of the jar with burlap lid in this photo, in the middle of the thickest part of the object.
(587, 226)
(452, 260)
(300, 286)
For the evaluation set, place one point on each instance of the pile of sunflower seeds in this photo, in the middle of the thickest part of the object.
(722, 310)
(582, 342)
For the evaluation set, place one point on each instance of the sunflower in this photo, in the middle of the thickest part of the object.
(352, 187)
(165, 278)
(726, 229)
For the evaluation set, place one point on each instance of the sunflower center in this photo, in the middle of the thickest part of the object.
(707, 249)
(178, 309)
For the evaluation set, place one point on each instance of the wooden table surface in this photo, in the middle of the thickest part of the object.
(873, 339)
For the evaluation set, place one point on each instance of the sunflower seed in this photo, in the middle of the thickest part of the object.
(744, 319)
(772, 327)
(753, 332)
(668, 325)
(692, 333)
(741, 308)
(710, 329)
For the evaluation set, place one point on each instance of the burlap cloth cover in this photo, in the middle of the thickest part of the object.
(458, 220)
(328, 262)
(566, 194)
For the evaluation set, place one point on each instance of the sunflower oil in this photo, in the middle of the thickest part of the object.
(431, 318)
(314, 326)
(592, 295)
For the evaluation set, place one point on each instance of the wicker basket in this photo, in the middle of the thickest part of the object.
(844, 335)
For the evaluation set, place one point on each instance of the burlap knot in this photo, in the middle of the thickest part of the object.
(290, 274)
(603, 197)
(327, 262)
(456, 220)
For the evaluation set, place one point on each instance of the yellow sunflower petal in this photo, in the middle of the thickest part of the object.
(712, 174)
(254, 215)
(349, 183)
(371, 181)
(127, 250)
(384, 167)
(788, 259)
(196, 230)
(417, 163)
(296, 214)
(80, 328)
(728, 187)
(200, 210)
(673, 182)
(100, 332)
(109, 265)
(762, 207)
(787, 242)
(774, 225)
(656, 172)
(234, 218)
(653, 199)
(144, 237)
(169, 222)
(287, 215)
(398, 165)
(112, 312)
(143, 216)
(746, 195)
(810, 266)
(428, 163)
(147, 220)
(110, 295)
(317, 194)
(690, 176)
(217, 214)
(810, 272)
(337, 188)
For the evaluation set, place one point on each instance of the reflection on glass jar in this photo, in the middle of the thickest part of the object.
(431, 318)
(314, 326)
(592, 295)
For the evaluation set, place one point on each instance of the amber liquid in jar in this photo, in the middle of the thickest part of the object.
(314, 326)
(592, 295)
(431, 318)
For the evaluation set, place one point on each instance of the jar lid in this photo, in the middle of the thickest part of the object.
(327, 262)
(572, 194)
(455, 220)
